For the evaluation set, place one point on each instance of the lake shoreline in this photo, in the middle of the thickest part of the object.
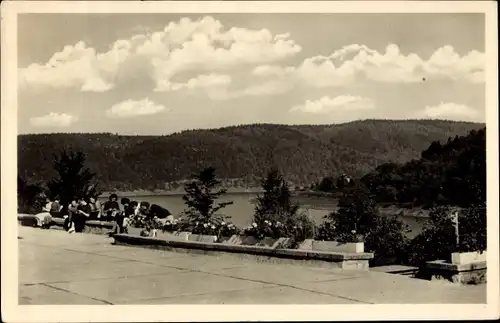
(306, 199)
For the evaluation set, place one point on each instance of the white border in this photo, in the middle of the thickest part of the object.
(11, 312)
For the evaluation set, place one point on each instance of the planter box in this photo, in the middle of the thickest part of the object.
(333, 246)
(249, 240)
(233, 240)
(134, 231)
(465, 268)
(225, 239)
(307, 244)
(346, 261)
(175, 236)
(266, 242)
(252, 241)
(462, 258)
(202, 238)
(472, 273)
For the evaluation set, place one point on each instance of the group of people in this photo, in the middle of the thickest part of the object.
(80, 210)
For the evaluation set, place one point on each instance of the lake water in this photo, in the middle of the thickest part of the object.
(242, 209)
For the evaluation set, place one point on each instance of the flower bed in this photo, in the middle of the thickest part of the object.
(347, 261)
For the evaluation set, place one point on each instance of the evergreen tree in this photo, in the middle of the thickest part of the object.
(275, 204)
(74, 179)
(276, 215)
(201, 196)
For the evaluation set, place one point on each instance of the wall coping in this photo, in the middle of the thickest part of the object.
(442, 265)
(247, 249)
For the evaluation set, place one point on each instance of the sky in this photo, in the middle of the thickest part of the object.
(152, 74)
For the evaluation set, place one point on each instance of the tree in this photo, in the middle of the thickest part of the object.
(30, 197)
(74, 180)
(357, 211)
(275, 214)
(201, 195)
(275, 205)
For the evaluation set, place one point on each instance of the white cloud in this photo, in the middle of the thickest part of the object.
(58, 120)
(391, 66)
(326, 105)
(201, 81)
(131, 108)
(450, 111)
(75, 66)
(181, 46)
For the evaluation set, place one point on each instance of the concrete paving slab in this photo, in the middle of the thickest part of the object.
(76, 272)
(53, 271)
(286, 275)
(47, 257)
(382, 288)
(265, 296)
(157, 286)
(45, 295)
(178, 260)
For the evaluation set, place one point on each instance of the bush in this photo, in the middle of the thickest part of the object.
(30, 197)
(388, 241)
(438, 240)
(358, 220)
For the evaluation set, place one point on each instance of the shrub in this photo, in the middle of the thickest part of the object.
(358, 220)
(388, 241)
(30, 197)
(438, 240)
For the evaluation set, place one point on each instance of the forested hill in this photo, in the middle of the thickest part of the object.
(303, 153)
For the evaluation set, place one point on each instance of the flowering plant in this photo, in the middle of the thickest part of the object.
(328, 231)
(173, 225)
(219, 229)
(144, 222)
(266, 228)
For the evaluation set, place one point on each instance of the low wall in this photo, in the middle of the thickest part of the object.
(91, 226)
(465, 268)
(341, 260)
(354, 247)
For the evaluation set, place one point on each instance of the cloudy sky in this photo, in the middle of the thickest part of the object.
(162, 73)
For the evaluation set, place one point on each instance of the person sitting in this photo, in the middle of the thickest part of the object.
(83, 212)
(56, 208)
(155, 211)
(69, 224)
(159, 211)
(128, 214)
(95, 208)
(111, 208)
(44, 219)
(120, 216)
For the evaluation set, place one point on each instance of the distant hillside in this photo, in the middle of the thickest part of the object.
(449, 173)
(304, 153)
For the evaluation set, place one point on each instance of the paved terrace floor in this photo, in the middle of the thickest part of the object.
(58, 268)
